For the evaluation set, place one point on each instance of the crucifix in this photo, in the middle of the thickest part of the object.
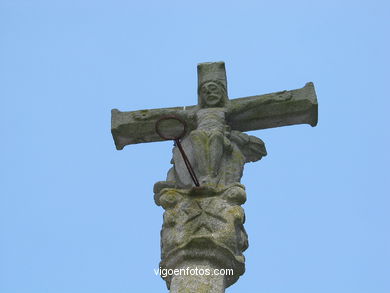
(203, 220)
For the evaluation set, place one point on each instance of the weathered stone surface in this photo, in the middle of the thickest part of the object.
(199, 283)
(204, 223)
(244, 114)
(203, 226)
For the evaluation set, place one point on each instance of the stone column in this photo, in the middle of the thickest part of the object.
(202, 237)
(197, 277)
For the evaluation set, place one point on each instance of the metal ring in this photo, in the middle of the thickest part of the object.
(168, 117)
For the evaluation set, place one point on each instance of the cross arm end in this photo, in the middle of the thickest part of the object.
(140, 126)
(283, 108)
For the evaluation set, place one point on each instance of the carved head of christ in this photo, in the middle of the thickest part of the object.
(212, 94)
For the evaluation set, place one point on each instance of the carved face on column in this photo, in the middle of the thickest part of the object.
(212, 94)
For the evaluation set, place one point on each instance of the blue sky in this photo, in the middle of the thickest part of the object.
(76, 215)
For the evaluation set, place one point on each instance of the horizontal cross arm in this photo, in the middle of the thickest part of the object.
(276, 109)
(140, 126)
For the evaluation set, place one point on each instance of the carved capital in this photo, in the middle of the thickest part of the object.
(204, 224)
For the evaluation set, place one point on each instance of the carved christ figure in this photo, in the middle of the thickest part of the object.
(216, 153)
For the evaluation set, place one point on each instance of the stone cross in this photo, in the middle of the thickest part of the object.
(203, 226)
